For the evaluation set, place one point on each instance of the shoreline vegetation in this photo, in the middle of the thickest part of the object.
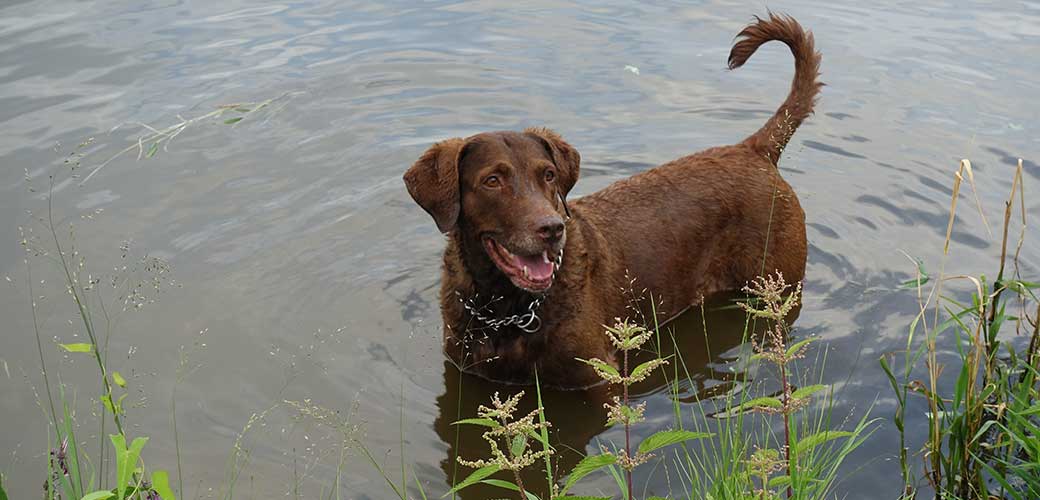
(983, 431)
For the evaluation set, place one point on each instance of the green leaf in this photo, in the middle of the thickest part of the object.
(891, 377)
(920, 280)
(119, 443)
(135, 451)
(537, 436)
(99, 495)
(586, 466)
(779, 481)
(119, 404)
(118, 379)
(78, 347)
(473, 478)
(501, 484)
(509, 486)
(807, 391)
(519, 445)
(665, 438)
(763, 402)
(107, 401)
(152, 150)
(486, 422)
(126, 460)
(161, 485)
(1032, 410)
(601, 366)
(3, 494)
(637, 372)
(913, 284)
(798, 345)
(243, 110)
(232, 121)
(809, 442)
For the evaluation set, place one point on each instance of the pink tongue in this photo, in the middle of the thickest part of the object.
(537, 268)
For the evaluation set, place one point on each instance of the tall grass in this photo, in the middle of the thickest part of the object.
(779, 445)
(118, 470)
(71, 473)
(983, 432)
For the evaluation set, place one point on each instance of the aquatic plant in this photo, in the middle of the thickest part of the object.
(508, 432)
(982, 435)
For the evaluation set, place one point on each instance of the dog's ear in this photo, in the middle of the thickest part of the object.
(433, 182)
(566, 158)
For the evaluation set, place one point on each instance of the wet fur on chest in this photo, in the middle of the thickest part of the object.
(509, 354)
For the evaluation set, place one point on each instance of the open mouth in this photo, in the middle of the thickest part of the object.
(533, 273)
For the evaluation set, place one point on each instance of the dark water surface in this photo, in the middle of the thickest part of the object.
(300, 255)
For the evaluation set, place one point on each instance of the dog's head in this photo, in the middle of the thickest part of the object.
(505, 190)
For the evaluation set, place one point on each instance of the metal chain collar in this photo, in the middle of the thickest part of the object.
(528, 322)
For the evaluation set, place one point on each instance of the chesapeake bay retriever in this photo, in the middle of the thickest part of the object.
(529, 279)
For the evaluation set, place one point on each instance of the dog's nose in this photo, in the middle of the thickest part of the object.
(550, 229)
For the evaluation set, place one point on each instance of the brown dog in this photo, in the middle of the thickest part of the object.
(528, 283)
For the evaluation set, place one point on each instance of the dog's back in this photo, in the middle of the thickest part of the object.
(716, 219)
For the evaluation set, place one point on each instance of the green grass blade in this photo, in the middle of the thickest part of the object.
(418, 485)
(619, 478)
(473, 478)
(72, 453)
(543, 433)
(809, 442)
(664, 438)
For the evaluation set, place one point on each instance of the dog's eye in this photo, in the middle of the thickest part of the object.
(550, 175)
(492, 181)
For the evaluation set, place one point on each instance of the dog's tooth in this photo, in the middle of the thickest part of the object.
(525, 273)
(545, 257)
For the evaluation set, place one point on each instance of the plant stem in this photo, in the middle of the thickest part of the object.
(520, 484)
(1033, 345)
(177, 441)
(39, 344)
(787, 424)
(83, 312)
(628, 437)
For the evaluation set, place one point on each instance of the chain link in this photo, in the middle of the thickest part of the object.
(528, 322)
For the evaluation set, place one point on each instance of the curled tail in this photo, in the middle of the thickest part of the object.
(771, 139)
